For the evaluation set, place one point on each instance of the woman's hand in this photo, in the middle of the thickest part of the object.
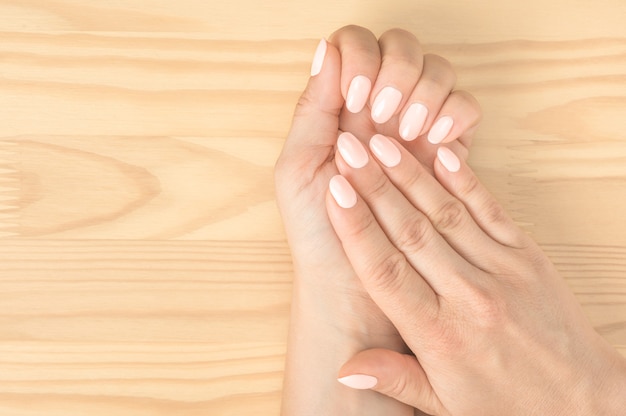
(332, 316)
(493, 328)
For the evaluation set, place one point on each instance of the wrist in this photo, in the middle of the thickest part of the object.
(611, 394)
(335, 300)
(328, 326)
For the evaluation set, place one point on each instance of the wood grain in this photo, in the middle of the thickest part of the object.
(133, 327)
(143, 266)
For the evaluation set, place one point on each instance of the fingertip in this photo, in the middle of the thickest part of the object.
(318, 57)
(342, 192)
(318, 108)
(448, 159)
(360, 62)
(441, 130)
(359, 381)
(358, 93)
(391, 373)
(466, 112)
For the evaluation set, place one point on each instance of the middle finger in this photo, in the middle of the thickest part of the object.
(401, 66)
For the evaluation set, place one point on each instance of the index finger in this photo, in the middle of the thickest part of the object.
(360, 62)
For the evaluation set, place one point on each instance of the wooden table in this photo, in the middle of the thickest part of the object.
(143, 267)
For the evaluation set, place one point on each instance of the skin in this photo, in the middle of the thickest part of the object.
(492, 327)
(332, 315)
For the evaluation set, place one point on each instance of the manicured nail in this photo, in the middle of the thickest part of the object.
(318, 59)
(352, 150)
(385, 150)
(342, 191)
(385, 104)
(440, 129)
(359, 381)
(413, 121)
(358, 92)
(448, 159)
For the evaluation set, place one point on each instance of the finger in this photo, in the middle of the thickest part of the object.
(459, 116)
(460, 147)
(384, 271)
(393, 374)
(461, 182)
(400, 69)
(360, 62)
(406, 227)
(426, 153)
(446, 213)
(316, 117)
(436, 81)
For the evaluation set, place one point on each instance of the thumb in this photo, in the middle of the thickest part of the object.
(399, 376)
(316, 118)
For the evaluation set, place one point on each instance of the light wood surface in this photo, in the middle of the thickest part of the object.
(143, 267)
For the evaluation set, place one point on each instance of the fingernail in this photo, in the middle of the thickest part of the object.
(358, 92)
(385, 150)
(352, 150)
(385, 104)
(413, 121)
(342, 191)
(359, 381)
(448, 159)
(440, 129)
(318, 58)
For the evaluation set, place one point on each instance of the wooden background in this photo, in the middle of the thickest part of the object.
(143, 267)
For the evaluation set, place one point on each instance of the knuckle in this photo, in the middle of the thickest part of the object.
(470, 186)
(362, 227)
(443, 73)
(489, 311)
(494, 213)
(414, 234)
(309, 105)
(352, 35)
(470, 104)
(450, 216)
(413, 179)
(439, 62)
(537, 259)
(449, 336)
(400, 34)
(304, 105)
(353, 29)
(378, 189)
(402, 63)
(398, 387)
(386, 275)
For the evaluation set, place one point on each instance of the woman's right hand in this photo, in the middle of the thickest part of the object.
(367, 85)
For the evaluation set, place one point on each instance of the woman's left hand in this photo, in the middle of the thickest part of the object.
(494, 329)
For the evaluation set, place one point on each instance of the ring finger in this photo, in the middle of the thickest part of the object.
(433, 88)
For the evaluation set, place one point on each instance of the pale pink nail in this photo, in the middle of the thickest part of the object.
(342, 191)
(352, 150)
(385, 150)
(413, 121)
(318, 59)
(359, 381)
(385, 104)
(358, 92)
(448, 159)
(440, 129)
